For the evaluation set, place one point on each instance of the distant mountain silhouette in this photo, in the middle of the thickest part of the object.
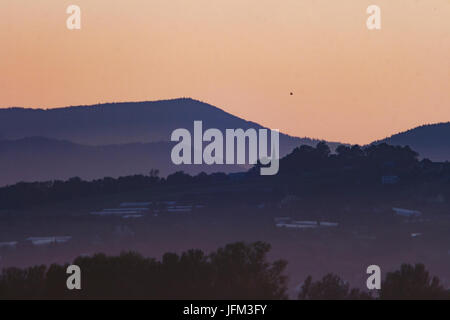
(110, 139)
(119, 123)
(430, 141)
(43, 159)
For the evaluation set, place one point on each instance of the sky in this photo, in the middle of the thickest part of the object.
(348, 83)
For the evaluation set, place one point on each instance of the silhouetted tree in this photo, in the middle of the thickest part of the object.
(323, 149)
(331, 287)
(412, 282)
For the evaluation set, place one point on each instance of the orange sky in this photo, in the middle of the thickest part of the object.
(245, 56)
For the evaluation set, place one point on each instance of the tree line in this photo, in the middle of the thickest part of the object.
(349, 165)
(235, 271)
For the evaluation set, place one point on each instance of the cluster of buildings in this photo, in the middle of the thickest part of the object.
(36, 241)
(130, 210)
(287, 222)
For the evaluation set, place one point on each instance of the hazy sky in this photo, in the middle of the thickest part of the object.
(349, 84)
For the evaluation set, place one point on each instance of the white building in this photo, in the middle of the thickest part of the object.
(407, 213)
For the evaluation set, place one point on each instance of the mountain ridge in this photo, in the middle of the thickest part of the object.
(429, 140)
(94, 124)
